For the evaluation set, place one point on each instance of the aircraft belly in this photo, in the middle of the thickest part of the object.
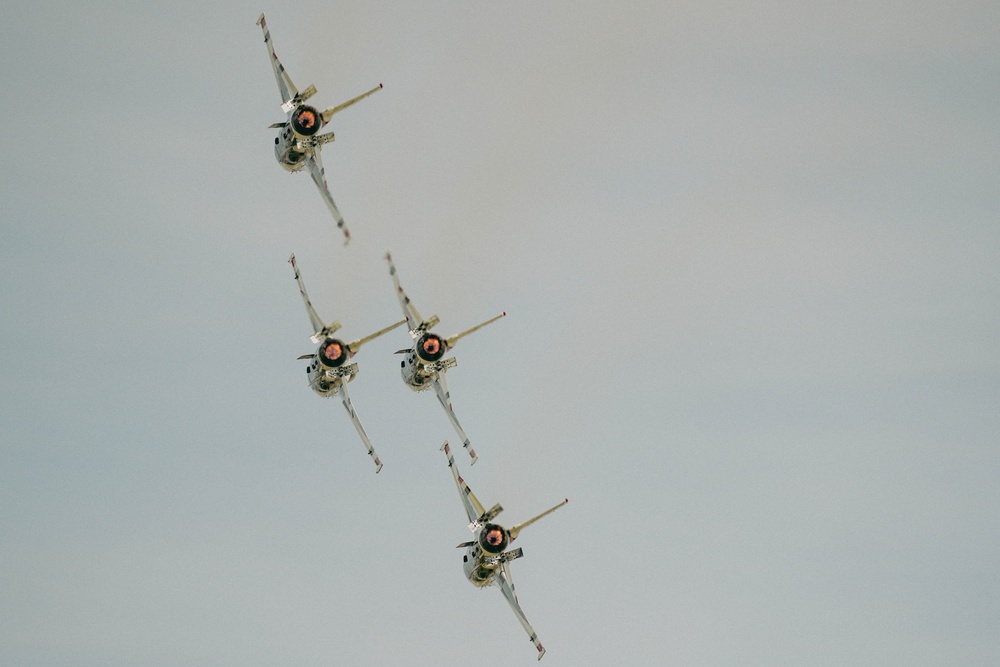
(477, 574)
(289, 159)
(291, 168)
(322, 385)
(418, 384)
(414, 379)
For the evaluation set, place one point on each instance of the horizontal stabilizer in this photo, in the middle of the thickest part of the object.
(321, 335)
(505, 557)
(491, 513)
(299, 99)
(424, 326)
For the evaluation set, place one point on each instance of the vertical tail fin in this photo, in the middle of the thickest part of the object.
(354, 345)
(454, 339)
(328, 113)
(517, 529)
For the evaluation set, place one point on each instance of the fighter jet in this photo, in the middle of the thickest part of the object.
(298, 144)
(328, 369)
(485, 559)
(424, 365)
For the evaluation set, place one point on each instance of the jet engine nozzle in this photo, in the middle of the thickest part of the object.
(431, 347)
(306, 121)
(333, 353)
(493, 538)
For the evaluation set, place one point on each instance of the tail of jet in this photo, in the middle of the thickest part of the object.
(517, 529)
(454, 339)
(328, 113)
(354, 345)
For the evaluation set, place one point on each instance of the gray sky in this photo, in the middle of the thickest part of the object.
(751, 264)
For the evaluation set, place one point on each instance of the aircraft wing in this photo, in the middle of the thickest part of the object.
(315, 165)
(346, 400)
(473, 508)
(413, 319)
(506, 585)
(285, 85)
(317, 323)
(444, 397)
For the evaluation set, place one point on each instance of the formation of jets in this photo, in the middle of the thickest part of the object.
(330, 368)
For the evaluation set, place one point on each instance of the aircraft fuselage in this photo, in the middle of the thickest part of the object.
(329, 369)
(423, 363)
(295, 142)
(483, 556)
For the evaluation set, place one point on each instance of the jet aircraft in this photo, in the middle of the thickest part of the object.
(485, 559)
(424, 364)
(298, 144)
(328, 370)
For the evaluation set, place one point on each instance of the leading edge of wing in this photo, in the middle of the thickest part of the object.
(314, 163)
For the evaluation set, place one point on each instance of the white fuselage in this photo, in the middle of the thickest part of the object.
(295, 142)
(329, 368)
(481, 559)
(425, 361)
(320, 382)
(414, 372)
(289, 152)
(476, 572)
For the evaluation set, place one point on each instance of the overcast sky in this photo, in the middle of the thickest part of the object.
(750, 257)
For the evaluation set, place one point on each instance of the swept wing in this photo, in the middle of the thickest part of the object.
(314, 163)
(346, 400)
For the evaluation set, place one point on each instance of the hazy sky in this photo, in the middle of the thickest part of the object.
(750, 257)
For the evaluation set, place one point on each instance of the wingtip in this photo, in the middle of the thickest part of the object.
(378, 467)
